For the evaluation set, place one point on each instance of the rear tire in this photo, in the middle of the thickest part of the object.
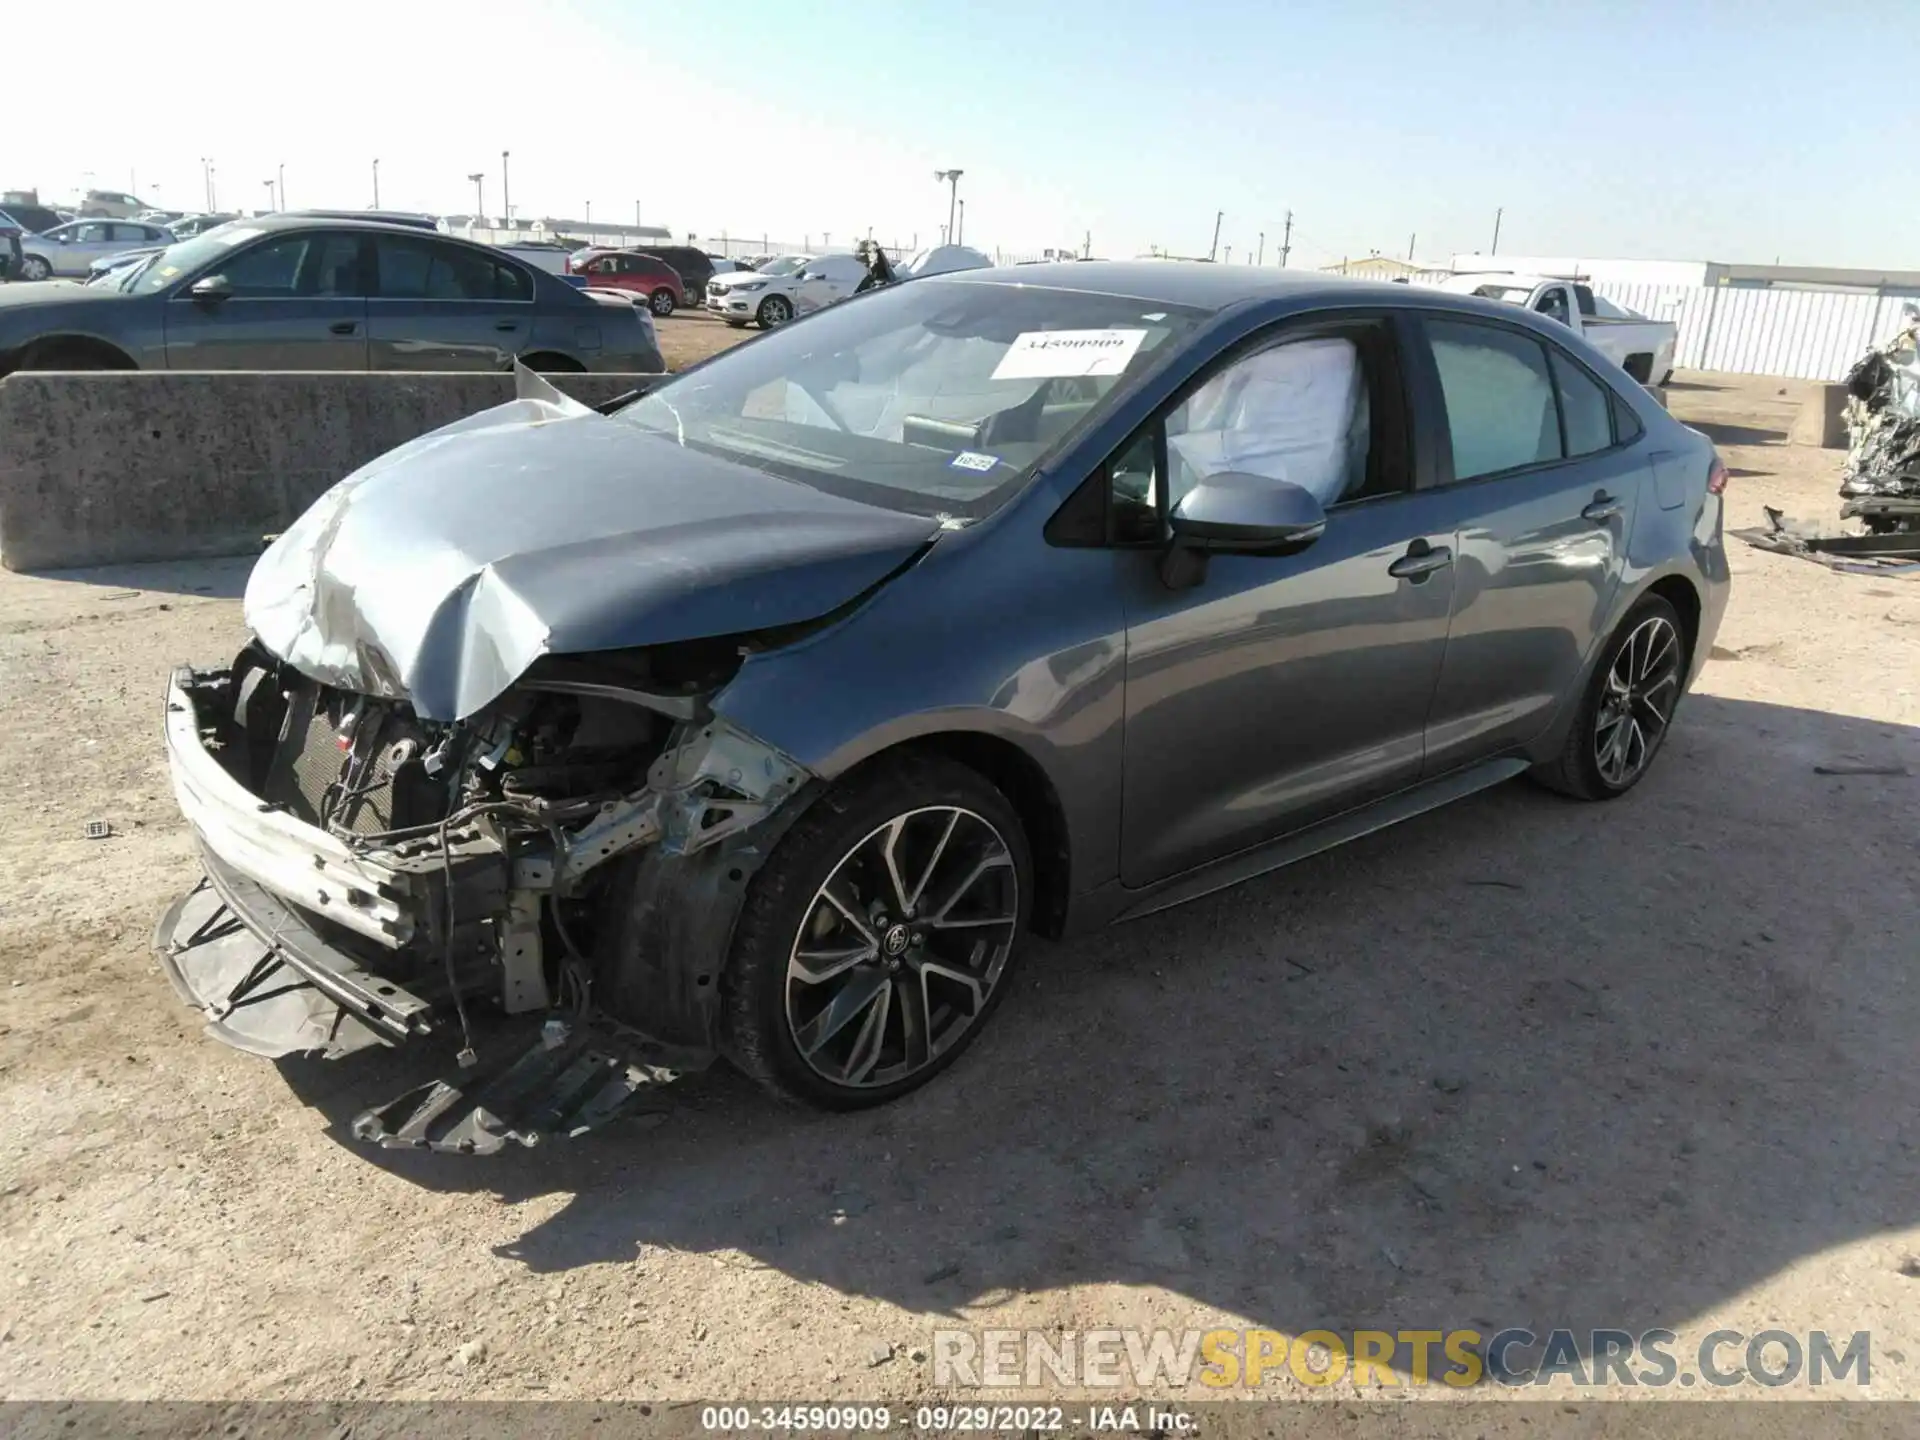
(879, 937)
(661, 302)
(1628, 707)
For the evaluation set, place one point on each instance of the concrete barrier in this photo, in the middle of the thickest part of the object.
(1822, 419)
(107, 467)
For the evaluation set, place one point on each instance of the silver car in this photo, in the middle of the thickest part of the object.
(72, 249)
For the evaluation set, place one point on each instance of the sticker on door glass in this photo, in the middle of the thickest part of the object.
(973, 460)
(1049, 354)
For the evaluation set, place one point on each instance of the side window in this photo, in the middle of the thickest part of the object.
(1583, 297)
(1499, 397)
(271, 270)
(1553, 305)
(511, 283)
(459, 275)
(1298, 412)
(402, 268)
(336, 270)
(1585, 407)
(93, 234)
(1133, 489)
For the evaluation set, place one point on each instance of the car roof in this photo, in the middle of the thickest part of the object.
(344, 220)
(1191, 283)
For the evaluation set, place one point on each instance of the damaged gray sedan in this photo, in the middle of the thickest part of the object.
(759, 716)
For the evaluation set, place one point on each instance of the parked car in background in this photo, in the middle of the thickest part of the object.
(784, 287)
(1251, 563)
(655, 281)
(72, 249)
(10, 252)
(108, 266)
(694, 267)
(943, 260)
(111, 205)
(1642, 347)
(30, 219)
(724, 266)
(288, 292)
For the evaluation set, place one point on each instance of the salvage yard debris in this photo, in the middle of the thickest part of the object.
(1880, 482)
(1883, 553)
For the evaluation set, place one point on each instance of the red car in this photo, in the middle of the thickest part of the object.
(624, 270)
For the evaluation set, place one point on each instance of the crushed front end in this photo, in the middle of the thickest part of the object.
(372, 877)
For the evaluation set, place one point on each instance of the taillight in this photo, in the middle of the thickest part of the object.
(1716, 477)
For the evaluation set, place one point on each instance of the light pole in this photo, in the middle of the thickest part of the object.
(506, 195)
(1214, 249)
(269, 184)
(589, 214)
(479, 179)
(1494, 249)
(1262, 258)
(961, 230)
(280, 171)
(636, 214)
(376, 184)
(952, 179)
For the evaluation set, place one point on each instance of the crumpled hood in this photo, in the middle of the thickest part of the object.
(439, 572)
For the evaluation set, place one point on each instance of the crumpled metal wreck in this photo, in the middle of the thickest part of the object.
(1880, 482)
(386, 829)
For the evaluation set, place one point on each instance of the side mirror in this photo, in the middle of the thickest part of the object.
(1235, 511)
(211, 288)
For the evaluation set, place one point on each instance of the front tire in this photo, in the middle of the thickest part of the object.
(661, 302)
(1628, 708)
(879, 936)
(775, 311)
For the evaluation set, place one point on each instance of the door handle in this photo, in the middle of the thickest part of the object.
(344, 327)
(1420, 561)
(1603, 508)
(506, 324)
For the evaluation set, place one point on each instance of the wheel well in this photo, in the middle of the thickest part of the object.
(58, 351)
(1016, 775)
(1678, 592)
(552, 364)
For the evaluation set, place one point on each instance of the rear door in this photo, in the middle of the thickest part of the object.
(438, 306)
(824, 281)
(1539, 480)
(294, 302)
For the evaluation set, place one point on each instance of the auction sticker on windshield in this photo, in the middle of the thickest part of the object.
(1051, 354)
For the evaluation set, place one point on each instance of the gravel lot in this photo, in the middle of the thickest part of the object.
(1518, 1062)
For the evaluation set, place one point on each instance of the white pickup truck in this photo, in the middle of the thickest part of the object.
(1641, 347)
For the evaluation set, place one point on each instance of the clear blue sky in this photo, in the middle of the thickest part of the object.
(1698, 130)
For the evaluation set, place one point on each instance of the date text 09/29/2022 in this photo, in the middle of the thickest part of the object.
(1021, 1419)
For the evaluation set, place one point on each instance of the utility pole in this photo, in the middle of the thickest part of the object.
(281, 171)
(1410, 239)
(1086, 247)
(506, 196)
(1286, 241)
(1495, 249)
(589, 213)
(479, 179)
(636, 214)
(376, 184)
(213, 194)
(960, 234)
(952, 179)
(1214, 249)
(1261, 259)
(1227, 259)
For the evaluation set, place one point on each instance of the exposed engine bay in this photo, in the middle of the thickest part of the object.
(372, 874)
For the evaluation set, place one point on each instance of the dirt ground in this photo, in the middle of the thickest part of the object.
(690, 335)
(1520, 1062)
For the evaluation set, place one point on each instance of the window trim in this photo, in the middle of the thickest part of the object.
(1392, 338)
(1434, 401)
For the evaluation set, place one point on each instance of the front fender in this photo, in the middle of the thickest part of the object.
(994, 633)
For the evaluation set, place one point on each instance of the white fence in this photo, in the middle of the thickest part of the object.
(1798, 334)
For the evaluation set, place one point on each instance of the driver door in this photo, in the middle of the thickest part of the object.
(294, 301)
(1279, 689)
